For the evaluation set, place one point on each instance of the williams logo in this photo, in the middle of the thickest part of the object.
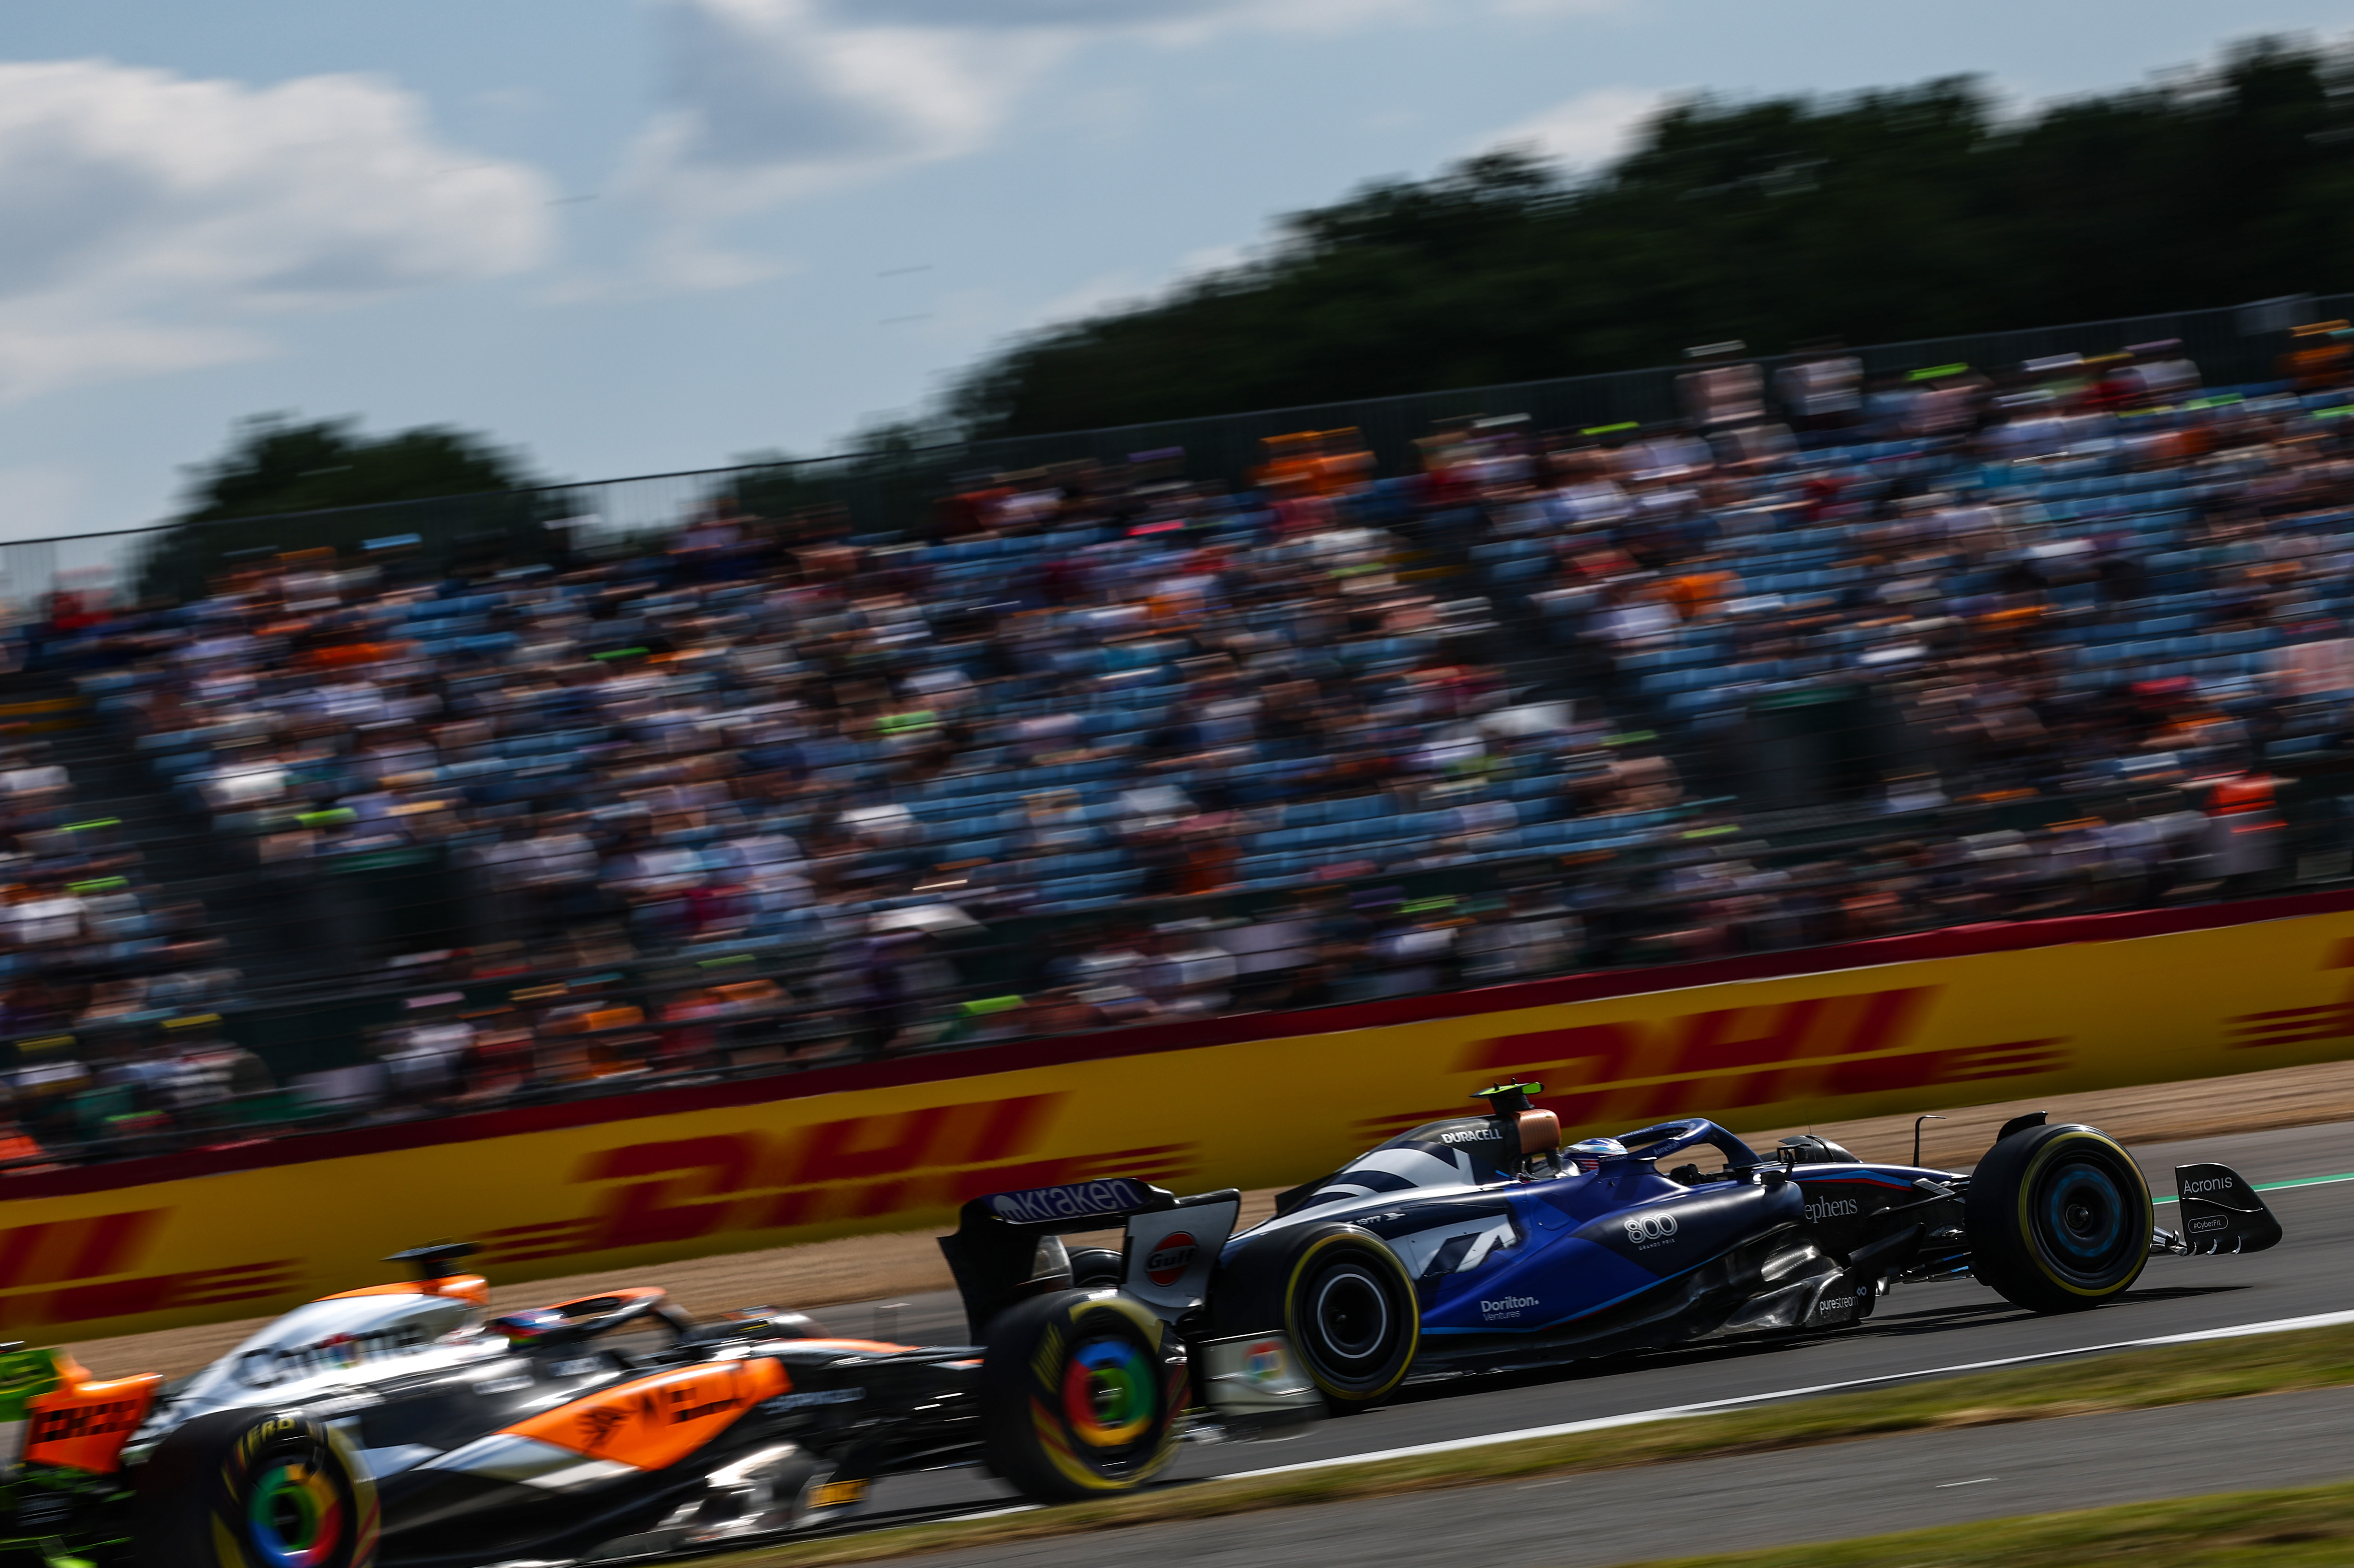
(1650, 1230)
(1506, 1307)
(1833, 1209)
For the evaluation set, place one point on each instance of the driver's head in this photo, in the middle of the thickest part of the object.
(1590, 1152)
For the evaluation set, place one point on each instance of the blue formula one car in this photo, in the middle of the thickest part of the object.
(1480, 1242)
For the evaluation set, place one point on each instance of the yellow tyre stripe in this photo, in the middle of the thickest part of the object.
(2025, 1194)
(1291, 1319)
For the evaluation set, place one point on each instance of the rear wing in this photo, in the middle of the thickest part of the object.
(1008, 1246)
(1082, 1206)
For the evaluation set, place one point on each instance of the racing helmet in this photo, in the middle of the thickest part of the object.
(1590, 1152)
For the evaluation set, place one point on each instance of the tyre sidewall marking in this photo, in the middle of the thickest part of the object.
(2041, 1162)
(1046, 1396)
(321, 1443)
(1292, 1293)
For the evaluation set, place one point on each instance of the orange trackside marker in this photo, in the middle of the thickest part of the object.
(83, 1424)
(654, 1422)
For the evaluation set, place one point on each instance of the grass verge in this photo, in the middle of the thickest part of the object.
(2310, 1527)
(2133, 1380)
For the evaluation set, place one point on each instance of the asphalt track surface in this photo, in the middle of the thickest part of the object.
(1814, 1494)
(1831, 1493)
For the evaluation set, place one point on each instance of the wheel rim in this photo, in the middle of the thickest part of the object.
(1109, 1395)
(2085, 1221)
(295, 1518)
(1352, 1316)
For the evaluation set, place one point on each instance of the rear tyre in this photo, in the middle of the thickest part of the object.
(2059, 1219)
(1350, 1308)
(1096, 1267)
(252, 1489)
(1080, 1393)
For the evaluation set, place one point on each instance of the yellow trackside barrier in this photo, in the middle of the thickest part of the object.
(633, 1184)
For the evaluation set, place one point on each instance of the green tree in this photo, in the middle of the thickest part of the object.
(1885, 215)
(275, 465)
(892, 471)
(285, 484)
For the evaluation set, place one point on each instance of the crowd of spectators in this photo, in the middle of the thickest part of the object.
(1332, 735)
(111, 987)
(2087, 577)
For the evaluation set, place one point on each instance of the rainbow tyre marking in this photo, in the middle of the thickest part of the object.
(295, 1518)
(1080, 1395)
(1109, 1392)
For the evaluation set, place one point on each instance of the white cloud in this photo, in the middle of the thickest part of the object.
(772, 99)
(1588, 130)
(152, 218)
(767, 101)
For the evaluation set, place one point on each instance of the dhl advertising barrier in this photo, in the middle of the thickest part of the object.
(1957, 1017)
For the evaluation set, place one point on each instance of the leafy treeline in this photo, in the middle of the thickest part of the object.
(1892, 215)
(286, 484)
(277, 464)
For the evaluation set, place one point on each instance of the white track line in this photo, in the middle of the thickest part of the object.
(1681, 1411)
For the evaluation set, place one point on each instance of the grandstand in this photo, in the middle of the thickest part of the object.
(1107, 743)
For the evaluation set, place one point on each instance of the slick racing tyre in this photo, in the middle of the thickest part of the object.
(2059, 1219)
(1341, 1296)
(1080, 1393)
(251, 1488)
(1349, 1307)
(1096, 1267)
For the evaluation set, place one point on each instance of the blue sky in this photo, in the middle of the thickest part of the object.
(631, 235)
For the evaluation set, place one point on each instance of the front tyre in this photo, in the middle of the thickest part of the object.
(251, 1488)
(1080, 1393)
(2059, 1219)
(1351, 1308)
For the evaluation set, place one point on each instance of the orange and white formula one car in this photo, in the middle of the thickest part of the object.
(402, 1424)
